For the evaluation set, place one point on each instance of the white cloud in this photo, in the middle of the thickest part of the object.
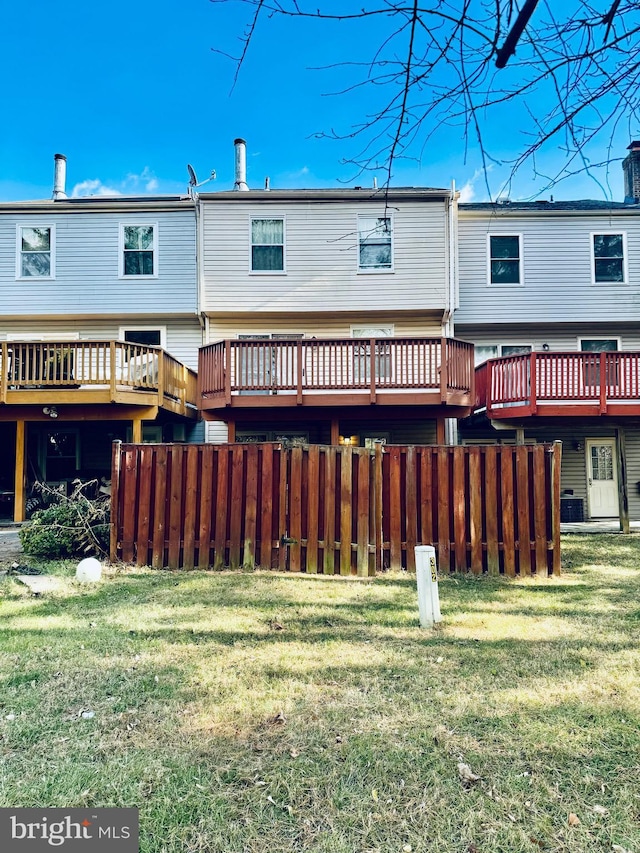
(145, 181)
(93, 187)
(468, 191)
(134, 184)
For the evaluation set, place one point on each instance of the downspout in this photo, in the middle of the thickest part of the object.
(451, 424)
(452, 289)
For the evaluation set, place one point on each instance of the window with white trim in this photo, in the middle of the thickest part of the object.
(267, 245)
(375, 243)
(505, 259)
(36, 251)
(608, 258)
(138, 251)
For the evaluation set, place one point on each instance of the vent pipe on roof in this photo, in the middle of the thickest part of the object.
(631, 170)
(59, 176)
(241, 165)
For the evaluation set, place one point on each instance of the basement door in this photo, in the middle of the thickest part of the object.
(602, 478)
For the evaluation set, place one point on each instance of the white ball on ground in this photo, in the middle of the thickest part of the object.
(89, 570)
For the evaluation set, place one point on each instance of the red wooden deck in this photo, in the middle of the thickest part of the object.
(560, 383)
(336, 372)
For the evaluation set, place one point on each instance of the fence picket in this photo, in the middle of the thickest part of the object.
(295, 510)
(159, 508)
(251, 508)
(145, 461)
(236, 505)
(329, 558)
(190, 505)
(362, 514)
(411, 507)
(475, 510)
(130, 497)
(426, 496)
(206, 494)
(540, 509)
(221, 507)
(313, 519)
(266, 508)
(176, 508)
(459, 497)
(395, 509)
(522, 495)
(444, 498)
(346, 507)
(508, 518)
(491, 508)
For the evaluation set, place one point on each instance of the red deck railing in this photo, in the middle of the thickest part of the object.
(343, 365)
(559, 382)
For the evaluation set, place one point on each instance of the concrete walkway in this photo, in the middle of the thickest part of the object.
(606, 526)
(10, 546)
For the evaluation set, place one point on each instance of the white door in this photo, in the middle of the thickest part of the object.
(602, 478)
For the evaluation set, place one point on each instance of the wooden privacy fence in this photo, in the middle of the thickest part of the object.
(337, 510)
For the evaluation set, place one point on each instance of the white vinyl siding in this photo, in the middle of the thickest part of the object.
(559, 338)
(87, 267)
(323, 326)
(557, 260)
(322, 259)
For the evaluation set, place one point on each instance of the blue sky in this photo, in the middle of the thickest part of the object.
(131, 92)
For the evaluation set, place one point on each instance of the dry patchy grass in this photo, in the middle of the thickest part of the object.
(266, 712)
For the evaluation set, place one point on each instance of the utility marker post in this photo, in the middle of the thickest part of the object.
(427, 577)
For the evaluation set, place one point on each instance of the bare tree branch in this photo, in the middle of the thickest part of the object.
(573, 80)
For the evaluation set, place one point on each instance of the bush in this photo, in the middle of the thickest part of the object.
(73, 526)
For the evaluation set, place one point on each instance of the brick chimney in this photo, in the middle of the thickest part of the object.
(631, 169)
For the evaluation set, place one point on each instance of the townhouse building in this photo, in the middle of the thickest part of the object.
(99, 333)
(550, 297)
(328, 314)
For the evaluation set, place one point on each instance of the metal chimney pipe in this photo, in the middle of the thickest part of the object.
(59, 177)
(241, 165)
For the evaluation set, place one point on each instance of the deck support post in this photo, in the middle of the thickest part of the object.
(335, 431)
(440, 431)
(136, 431)
(20, 472)
(520, 436)
(231, 432)
(623, 495)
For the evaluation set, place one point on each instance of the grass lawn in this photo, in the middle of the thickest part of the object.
(264, 712)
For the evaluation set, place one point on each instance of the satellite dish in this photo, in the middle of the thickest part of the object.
(193, 181)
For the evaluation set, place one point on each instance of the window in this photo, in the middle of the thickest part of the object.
(483, 352)
(515, 349)
(138, 250)
(267, 245)
(608, 257)
(505, 259)
(592, 365)
(374, 243)
(61, 454)
(146, 335)
(381, 353)
(35, 252)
